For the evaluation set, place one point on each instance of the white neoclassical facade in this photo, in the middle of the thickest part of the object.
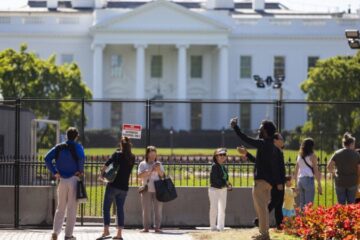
(181, 49)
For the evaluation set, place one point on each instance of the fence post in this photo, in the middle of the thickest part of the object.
(82, 136)
(17, 164)
(148, 122)
(279, 110)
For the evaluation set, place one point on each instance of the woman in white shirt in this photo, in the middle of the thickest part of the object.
(149, 171)
(306, 170)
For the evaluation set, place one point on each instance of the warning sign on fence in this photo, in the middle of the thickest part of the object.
(131, 131)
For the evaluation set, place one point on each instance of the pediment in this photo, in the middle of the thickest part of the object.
(161, 15)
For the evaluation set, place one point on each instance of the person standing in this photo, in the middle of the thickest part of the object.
(346, 161)
(69, 159)
(117, 190)
(219, 185)
(306, 169)
(289, 199)
(149, 171)
(277, 193)
(266, 173)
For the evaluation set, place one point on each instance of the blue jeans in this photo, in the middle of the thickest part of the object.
(112, 193)
(346, 195)
(306, 188)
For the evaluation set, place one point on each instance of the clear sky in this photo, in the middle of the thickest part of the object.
(306, 5)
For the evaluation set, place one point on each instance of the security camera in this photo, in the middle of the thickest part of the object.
(352, 33)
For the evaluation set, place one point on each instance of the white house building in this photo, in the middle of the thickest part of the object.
(181, 49)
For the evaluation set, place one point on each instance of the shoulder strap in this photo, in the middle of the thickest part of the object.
(116, 157)
(63, 146)
(307, 164)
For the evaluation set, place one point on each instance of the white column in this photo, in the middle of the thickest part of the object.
(223, 76)
(97, 87)
(223, 85)
(182, 116)
(182, 72)
(140, 71)
(140, 83)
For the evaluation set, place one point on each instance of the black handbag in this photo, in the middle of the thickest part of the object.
(165, 190)
(81, 195)
(110, 172)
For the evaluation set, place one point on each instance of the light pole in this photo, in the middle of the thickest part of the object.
(171, 141)
(353, 38)
(223, 137)
(276, 84)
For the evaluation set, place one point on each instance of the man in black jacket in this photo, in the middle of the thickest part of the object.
(266, 173)
(277, 193)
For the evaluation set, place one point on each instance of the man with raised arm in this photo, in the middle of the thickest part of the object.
(266, 172)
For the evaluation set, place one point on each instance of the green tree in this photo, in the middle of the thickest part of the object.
(333, 79)
(24, 75)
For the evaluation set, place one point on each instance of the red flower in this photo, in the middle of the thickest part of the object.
(338, 222)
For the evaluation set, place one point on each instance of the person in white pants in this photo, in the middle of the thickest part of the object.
(66, 162)
(219, 181)
(66, 203)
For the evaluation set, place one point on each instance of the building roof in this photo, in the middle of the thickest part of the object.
(134, 4)
(242, 8)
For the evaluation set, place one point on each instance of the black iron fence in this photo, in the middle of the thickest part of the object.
(185, 171)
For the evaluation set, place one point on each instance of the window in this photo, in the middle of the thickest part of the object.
(279, 66)
(245, 116)
(245, 67)
(67, 58)
(196, 116)
(312, 62)
(116, 65)
(156, 66)
(196, 66)
(116, 114)
(156, 120)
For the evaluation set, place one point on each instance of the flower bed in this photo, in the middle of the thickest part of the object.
(336, 222)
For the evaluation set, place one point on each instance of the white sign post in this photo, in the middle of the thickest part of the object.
(131, 131)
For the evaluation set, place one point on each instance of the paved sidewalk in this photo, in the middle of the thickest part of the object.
(91, 233)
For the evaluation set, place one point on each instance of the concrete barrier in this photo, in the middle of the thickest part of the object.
(36, 205)
(191, 208)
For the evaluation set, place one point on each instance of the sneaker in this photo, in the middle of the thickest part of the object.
(260, 236)
(54, 236)
(70, 238)
(279, 227)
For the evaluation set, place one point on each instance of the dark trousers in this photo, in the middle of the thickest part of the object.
(277, 199)
(119, 196)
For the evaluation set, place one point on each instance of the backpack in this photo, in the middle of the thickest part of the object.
(64, 146)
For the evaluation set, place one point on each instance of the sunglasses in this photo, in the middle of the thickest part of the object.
(222, 155)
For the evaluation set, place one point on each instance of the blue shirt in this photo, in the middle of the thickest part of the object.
(66, 165)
